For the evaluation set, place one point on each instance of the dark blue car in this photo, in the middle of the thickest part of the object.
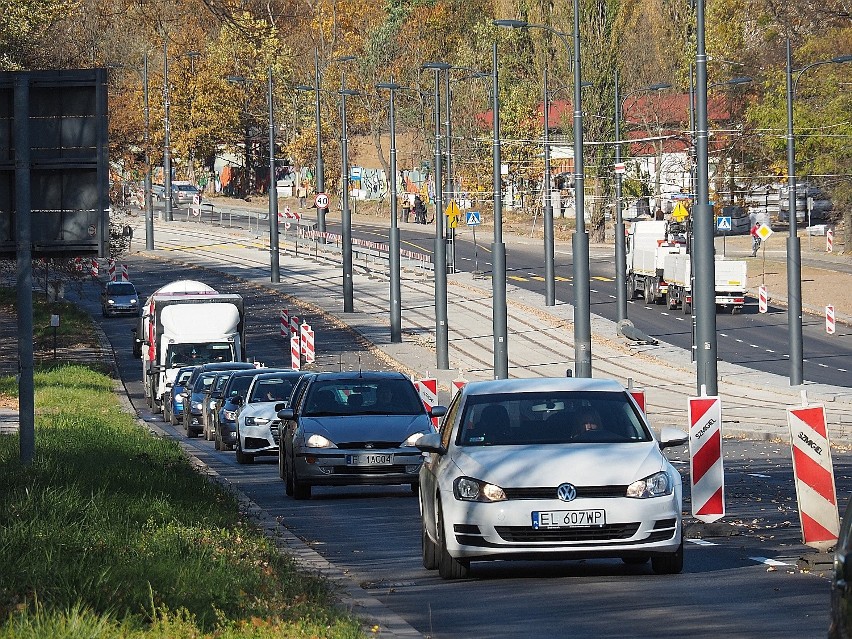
(173, 400)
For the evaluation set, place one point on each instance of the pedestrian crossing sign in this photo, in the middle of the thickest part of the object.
(472, 218)
(723, 223)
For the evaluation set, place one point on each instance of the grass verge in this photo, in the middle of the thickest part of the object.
(110, 533)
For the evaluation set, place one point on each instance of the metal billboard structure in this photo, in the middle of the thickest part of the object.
(54, 138)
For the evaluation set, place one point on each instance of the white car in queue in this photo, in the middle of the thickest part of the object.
(257, 417)
(557, 468)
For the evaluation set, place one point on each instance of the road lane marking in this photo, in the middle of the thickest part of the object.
(759, 475)
(701, 542)
(769, 562)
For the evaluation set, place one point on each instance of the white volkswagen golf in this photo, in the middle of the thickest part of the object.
(548, 469)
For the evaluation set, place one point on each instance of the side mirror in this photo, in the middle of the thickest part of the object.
(285, 413)
(280, 406)
(237, 401)
(437, 411)
(431, 443)
(670, 437)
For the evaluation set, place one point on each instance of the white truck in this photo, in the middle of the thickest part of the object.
(184, 323)
(730, 282)
(648, 244)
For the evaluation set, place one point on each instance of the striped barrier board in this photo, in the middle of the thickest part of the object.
(124, 273)
(814, 476)
(762, 300)
(829, 320)
(111, 270)
(294, 326)
(829, 241)
(95, 267)
(457, 384)
(705, 458)
(428, 391)
(285, 322)
(295, 355)
(308, 344)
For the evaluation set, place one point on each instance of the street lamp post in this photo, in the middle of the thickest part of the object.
(441, 328)
(148, 196)
(704, 267)
(393, 247)
(346, 214)
(580, 241)
(499, 319)
(794, 248)
(620, 249)
(320, 168)
(549, 266)
(167, 153)
(275, 275)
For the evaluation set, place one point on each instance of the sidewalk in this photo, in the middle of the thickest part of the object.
(540, 337)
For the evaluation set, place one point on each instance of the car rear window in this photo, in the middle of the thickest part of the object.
(238, 385)
(550, 418)
(273, 390)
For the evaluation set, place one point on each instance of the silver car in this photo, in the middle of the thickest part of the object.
(120, 298)
(352, 428)
(549, 469)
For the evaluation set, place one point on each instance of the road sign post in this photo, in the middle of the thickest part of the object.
(723, 224)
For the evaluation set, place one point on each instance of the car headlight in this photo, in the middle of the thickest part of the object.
(318, 441)
(467, 489)
(110, 301)
(656, 485)
(412, 440)
(230, 415)
(256, 421)
(196, 405)
(134, 301)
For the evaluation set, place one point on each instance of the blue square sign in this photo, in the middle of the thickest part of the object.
(723, 223)
(472, 218)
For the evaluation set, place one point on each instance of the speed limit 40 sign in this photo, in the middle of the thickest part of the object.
(321, 201)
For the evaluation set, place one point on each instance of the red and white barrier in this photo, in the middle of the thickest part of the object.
(762, 300)
(295, 355)
(95, 267)
(456, 386)
(124, 273)
(637, 393)
(307, 346)
(294, 326)
(829, 320)
(814, 475)
(78, 264)
(285, 323)
(111, 270)
(428, 391)
(705, 458)
(829, 241)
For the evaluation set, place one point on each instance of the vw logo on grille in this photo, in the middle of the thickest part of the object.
(566, 492)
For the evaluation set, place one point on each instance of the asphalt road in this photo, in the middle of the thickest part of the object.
(751, 339)
(740, 577)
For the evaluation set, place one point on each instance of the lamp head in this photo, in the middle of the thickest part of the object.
(743, 79)
(345, 58)
(660, 86)
(235, 79)
(349, 92)
(511, 24)
(303, 87)
(437, 66)
(842, 58)
(392, 86)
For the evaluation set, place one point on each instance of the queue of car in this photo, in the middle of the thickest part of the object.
(257, 416)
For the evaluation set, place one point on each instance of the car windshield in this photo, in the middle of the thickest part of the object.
(550, 418)
(121, 289)
(221, 380)
(362, 397)
(204, 381)
(183, 377)
(183, 354)
(272, 390)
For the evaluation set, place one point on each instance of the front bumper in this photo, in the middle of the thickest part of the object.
(322, 467)
(505, 530)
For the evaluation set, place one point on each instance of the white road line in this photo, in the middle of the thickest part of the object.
(769, 562)
(769, 350)
(612, 297)
(754, 345)
(842, 370)
(591, 290)
(680, 319)
(823, 365)
(758, 475)
(701, 542)
(723, 334)
(738, 340)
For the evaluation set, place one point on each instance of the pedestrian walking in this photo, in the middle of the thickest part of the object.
(419, 210)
